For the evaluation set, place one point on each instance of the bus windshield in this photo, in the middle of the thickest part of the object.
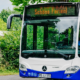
(50, 38)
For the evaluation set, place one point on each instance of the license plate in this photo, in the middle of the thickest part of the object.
(45, 75)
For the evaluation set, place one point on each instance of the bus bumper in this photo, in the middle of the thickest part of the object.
(54, 75)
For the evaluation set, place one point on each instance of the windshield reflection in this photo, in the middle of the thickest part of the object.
(65, 33)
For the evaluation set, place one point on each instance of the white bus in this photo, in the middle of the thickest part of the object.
(50, 44)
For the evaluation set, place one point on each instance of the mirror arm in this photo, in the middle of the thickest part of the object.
(9, 20)
(16, 15)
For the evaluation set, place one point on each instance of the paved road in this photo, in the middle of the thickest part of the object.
(16, 77)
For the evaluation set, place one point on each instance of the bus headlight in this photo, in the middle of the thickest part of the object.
(72, 69)
(22, 67)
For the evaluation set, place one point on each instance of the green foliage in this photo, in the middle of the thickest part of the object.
(40, 37)
(40, 33)
(30, 37)
(10, 48)
(16, 24)
(10, 43)
(2, 25)
(4, 14)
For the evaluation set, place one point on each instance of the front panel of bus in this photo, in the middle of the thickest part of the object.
(48, 41)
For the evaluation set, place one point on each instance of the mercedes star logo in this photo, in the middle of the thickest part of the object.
(44, 68)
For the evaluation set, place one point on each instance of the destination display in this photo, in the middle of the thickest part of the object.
(61, 10)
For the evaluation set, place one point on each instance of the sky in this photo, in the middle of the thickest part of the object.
(5, 4)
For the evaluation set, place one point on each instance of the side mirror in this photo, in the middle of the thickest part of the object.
(9, 20)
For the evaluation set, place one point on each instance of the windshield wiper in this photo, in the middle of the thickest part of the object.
(27, 55)
(65, 56)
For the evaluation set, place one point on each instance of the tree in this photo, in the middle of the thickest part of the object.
(4, 14)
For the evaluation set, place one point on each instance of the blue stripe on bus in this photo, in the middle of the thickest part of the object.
(54, 75)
